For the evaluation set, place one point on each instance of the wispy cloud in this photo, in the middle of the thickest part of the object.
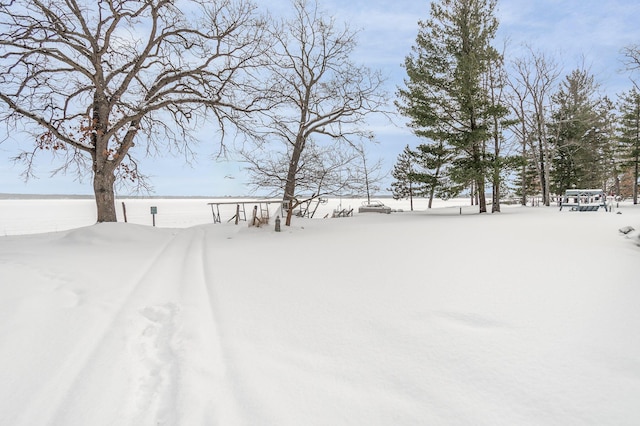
(575, 31)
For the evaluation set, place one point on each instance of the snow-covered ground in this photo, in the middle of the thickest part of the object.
(527, 317)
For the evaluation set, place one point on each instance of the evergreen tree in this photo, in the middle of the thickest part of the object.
(607, 143)
(577, 125)
(403, 172)
(432, 172)
(527, 181)
(630, 136)
(444, 96)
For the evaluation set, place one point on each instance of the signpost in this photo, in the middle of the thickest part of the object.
(154, 211)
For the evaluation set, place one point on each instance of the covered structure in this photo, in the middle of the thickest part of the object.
(584, 199)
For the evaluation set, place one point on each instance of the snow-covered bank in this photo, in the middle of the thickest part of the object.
(30, 216)
(527, 317)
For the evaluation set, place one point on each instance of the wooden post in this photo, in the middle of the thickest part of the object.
(124, 212)
(237, 213)
(255, 215)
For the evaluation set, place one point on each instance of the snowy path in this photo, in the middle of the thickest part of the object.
(161, 325)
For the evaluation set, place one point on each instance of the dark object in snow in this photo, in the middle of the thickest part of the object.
(626, 229)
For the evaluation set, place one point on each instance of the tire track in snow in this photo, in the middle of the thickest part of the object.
(162, 346)
(179, 358)
(199, 389)
(238, 394)
(208, 397)
(197, 358)
(160, 285)
(158, 357)
(60, 386)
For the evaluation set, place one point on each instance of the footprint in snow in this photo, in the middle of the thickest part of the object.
(157, 364)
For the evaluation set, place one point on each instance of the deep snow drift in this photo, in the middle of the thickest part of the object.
(527, 317)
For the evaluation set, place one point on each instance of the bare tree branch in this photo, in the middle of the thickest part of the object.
(321, 97)
(101, 77)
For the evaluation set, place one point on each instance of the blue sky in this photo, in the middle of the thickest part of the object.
(572, 31)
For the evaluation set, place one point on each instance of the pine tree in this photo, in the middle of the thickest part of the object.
(607, 143)
(630, 135)
(527, 182)
(403, 172)
(577, 126)
(433, 161)
(444, 96)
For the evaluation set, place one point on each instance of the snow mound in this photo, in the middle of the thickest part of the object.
(102, 233)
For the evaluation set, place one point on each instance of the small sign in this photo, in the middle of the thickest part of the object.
(154, 210)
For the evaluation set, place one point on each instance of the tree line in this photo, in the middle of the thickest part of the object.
(101, 83)
(488, 120)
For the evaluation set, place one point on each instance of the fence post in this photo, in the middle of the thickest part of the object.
(124, 212)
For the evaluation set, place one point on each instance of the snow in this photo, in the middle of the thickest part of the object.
(526, 317)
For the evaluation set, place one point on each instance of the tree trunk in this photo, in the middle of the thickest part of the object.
(524, 189)
(431, 195)
(432, 191)
(495, 201)
(482, 198)
(290, 185)
(411, 195)
(545, 154)
(495, 205)
(635, 183)
(543, 174)
(103, 168)
(105, 196)
(547, 183)
(472, 192)
(480, 189)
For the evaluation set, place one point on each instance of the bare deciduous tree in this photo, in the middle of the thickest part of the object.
(96, 77)
(323, 97)
(322, 170)
(631, 60)
(532, 82)
(366, 175)
(500, 160)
